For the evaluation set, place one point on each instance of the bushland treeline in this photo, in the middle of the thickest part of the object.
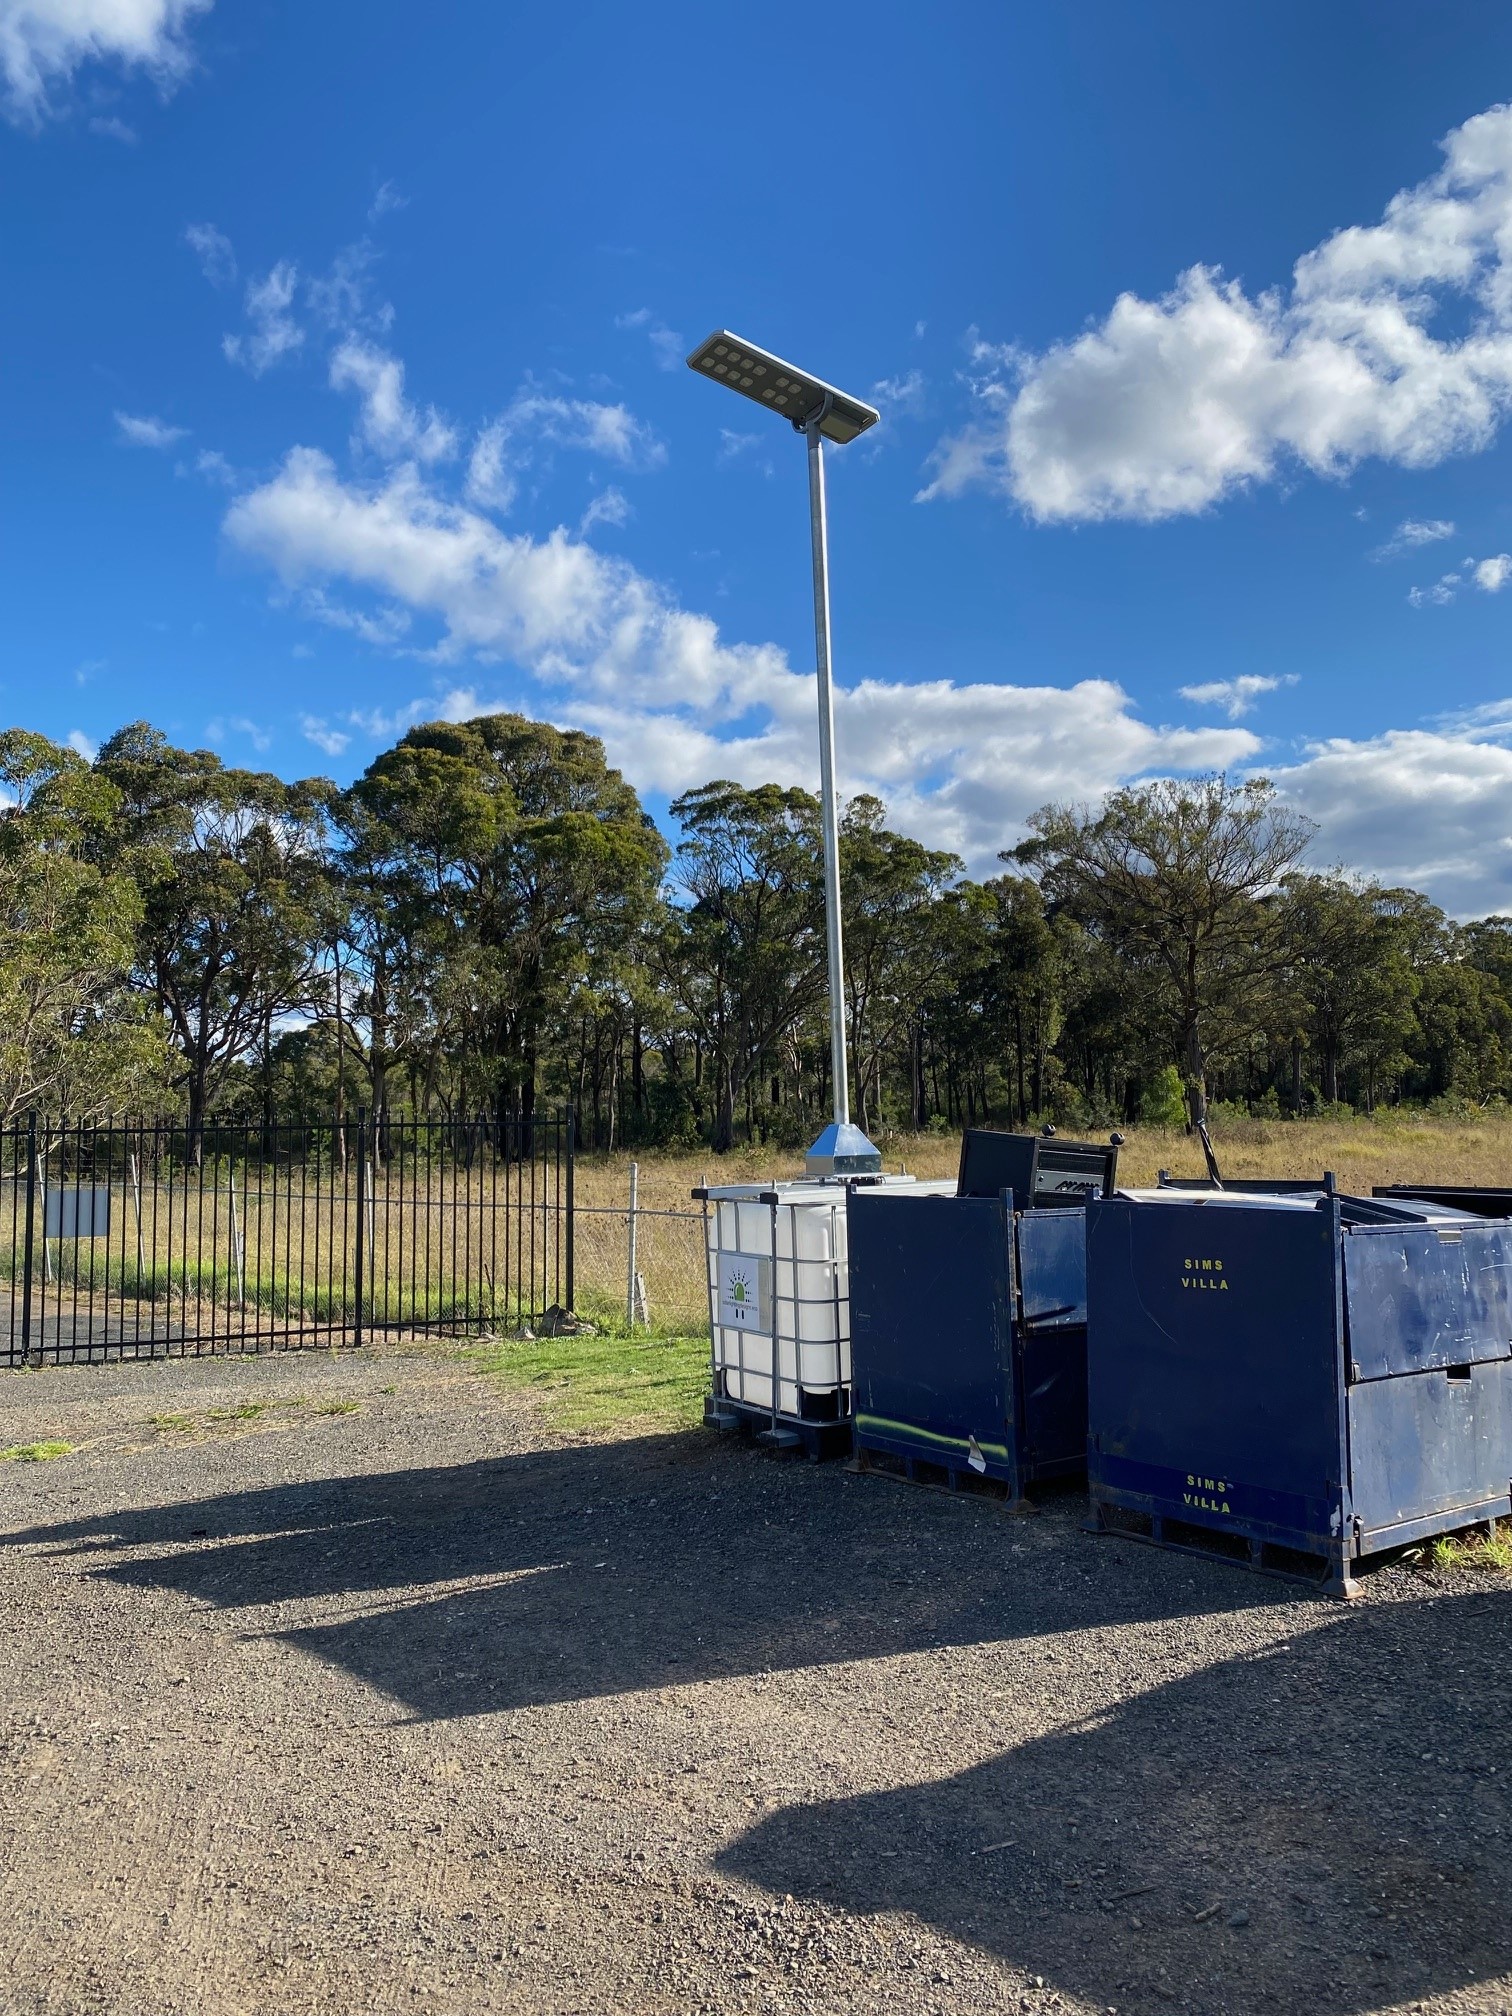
(488, 919)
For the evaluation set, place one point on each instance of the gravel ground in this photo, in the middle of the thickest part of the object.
(423, 1706)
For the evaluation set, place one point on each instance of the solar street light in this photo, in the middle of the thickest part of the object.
(820, 413)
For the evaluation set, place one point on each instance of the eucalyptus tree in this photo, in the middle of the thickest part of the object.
(522, 862)
(1171, 875)
(72, 1039)
(234, 871)
(746, 960)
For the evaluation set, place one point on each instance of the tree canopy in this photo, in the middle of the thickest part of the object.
(488, 918)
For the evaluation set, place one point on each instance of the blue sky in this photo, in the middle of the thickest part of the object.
(343, 388)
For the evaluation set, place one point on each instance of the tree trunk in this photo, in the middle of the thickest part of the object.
(1296, 1063)
(724, 1112)
(1018, 1051)
(1196, 1077)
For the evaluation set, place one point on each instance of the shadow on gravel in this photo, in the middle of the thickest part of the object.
(1322, 1828)
(652, 1562)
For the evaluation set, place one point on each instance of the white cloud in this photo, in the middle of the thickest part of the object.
(217, 730)
(667, 345)
(44, 42)
(142, 430)
(213, 466)
(81, 745)
(333, 741)
(1412, 533)
(111, 128)
(1236, 697)
(390, 425)
(214, 252)
(609, 507)
(901, 395)
(961, 765)
(274, 332)
(534, 420)
(385, 198)
(1489, 575)
(1167, 406)
(339, 299)
(1430, 810)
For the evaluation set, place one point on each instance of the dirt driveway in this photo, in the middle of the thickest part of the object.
(349, 1686)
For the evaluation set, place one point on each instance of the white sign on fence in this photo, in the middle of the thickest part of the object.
(76, 1214)
(745, 1290)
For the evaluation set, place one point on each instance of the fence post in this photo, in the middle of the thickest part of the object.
(30, 1236)
(361, 1219)
(630, 1276)
(238, 1256)
(571, 1123)
(136, 1200)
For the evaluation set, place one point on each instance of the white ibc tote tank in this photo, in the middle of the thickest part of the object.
(779, 1297)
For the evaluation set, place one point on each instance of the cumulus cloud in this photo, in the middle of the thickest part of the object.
(903, 394)
(1491, 576)
(1393, 340)
(44, 42)
(962, 765)
(214, 251)
(1430, 809)
(667, 345)
(609, 507)
(1236, 697)
(333, 741)
(142, 430)
(390, 425)
(273, 333)
(1412, 533)
(535, 421)
(82, 745)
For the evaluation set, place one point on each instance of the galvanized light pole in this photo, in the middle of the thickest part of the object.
(819, 412)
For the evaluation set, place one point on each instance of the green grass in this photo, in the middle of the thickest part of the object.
(614, 1380)
(35, 1452)
(1475, 1550)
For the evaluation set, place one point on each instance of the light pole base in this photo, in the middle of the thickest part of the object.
(842, 1151)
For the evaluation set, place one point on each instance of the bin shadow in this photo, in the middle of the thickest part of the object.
(583, 1571)
(1318, 1828)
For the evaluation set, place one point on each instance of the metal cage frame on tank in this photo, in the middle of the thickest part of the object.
(793, 1315)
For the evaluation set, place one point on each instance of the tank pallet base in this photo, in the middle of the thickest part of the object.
(1326, 1574)
(934, 1475)
(817, 1439)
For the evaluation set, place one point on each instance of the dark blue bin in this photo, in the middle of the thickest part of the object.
(1297, 1381)
(968, 1337)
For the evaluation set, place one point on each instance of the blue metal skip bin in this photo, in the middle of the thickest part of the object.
(1297, 1381)
(968, 1337)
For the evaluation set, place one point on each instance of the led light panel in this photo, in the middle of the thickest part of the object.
(768, 381)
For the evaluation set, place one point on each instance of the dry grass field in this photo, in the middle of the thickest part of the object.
(1388, 1148)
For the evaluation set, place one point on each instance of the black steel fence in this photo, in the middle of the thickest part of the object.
(138, 1241)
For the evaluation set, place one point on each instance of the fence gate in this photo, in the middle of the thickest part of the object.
(137, 1241)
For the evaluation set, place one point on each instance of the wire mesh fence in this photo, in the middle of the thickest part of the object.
(666, 1287)
(129, 1241)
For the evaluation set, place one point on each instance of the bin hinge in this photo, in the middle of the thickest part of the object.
(1354, 1371)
